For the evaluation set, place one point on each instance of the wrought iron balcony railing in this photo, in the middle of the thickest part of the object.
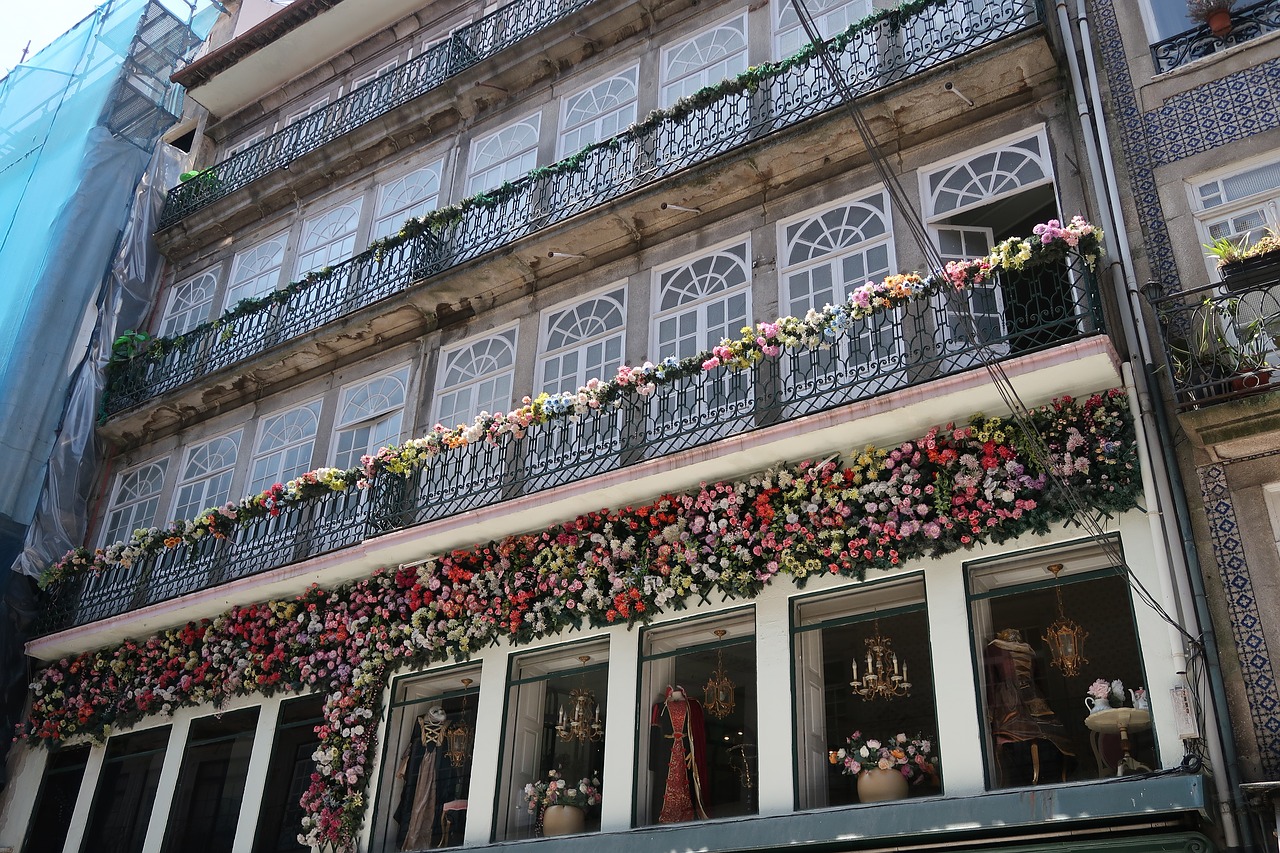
(888, 51)
(464, 48)
(1222, 341)
(915, 344)
(1246, 23)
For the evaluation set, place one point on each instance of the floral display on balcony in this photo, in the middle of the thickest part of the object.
(1052, 242)
(950, 489)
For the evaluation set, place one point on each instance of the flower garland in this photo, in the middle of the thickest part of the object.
(952, 488)
(1052, 243)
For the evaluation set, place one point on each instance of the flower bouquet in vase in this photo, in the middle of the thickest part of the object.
(560, 806)
(885, 768)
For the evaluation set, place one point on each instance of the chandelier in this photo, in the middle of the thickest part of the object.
(459, 734)
(877, 682)
(718, 694)
(1065, 637)
(583, 721)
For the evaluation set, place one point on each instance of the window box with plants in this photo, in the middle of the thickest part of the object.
(1246, 264)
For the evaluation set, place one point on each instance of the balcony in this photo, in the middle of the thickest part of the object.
(1057, 305)
(1220, 340)
(1247, 23)
(466, 47)
(875, 58)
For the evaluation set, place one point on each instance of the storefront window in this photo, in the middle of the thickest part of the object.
(556, 710)
(698, 694)
(1042, 723)
(126, 791)
(289, 775)
(206, 804)
(56, 800)
(863, 678)
(427, 767)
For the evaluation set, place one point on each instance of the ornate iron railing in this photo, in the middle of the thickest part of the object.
(1246, 23)
(915, 344)
(464, 48)
(1222, 341)
(880, 55)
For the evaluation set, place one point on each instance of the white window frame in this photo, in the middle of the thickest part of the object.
(366, 79)
(397, 216)
(310, 109)
(665, 80)
(273, 271)
(237, 438)
(619, 289)
(1271, 494)
(1267, 200)
(333, 249)
(372, 419)
(254, 480)
(441, 389)
(1147, 11)
(194, 313)
(1037, 132)
(657, 314)
(563, 148)
(243, 145)
(132, 505)
(780, 7)
(534, 120)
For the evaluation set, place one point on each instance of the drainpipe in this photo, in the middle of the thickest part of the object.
(1151, 420)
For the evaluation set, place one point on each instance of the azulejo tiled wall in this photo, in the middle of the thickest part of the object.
(1251, 644)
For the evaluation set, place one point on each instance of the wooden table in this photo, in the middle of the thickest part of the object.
(1121, 721)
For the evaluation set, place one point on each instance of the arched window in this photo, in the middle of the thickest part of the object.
(255, 271)
(476, 377)
(981, 178)
(709, 57)
(504, 155)
(284, 447)
(370, 416)
(701, 302)
(328, 238)
(206, 476)
(189, 304)
(136, 499)
(413, 195)
(600, 112)
(583, 341)
(831, 17)
(827, 255)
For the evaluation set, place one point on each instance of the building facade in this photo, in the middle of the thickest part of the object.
(696, 567)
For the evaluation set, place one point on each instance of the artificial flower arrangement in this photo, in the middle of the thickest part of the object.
(916, 758)
(555, 791)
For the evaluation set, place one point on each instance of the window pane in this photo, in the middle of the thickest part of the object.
(328, 238)
(206, 803)
(255, 271)
(189, 304)
(126, 791)
(476, 377)
(717, 726)
(1035, 720)
(413, 195)
(288, 776)
(504, 155)
(59, 789)
(135, 502)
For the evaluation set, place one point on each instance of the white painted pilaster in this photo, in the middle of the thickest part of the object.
(84, 800)
(255, 782)
(619, 772)
(484, 760)
(775, 711)
(168, 784)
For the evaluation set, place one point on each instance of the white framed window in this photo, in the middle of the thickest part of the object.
(310, 109)
(582, 340)
(370, 416)
(1164, 19)
(985, 301)
(1271, 494)
(374, 74)
(189, 304)
(255, 271)
(244, 144)
(830, 16)
(708, 57)
(205, 478)
(828, 254)
(976, 178)
(1239, 204)
(476, 377)
(284, 447)
(135, 500)
(504, 155)
(328, 238)
(411, 195)
(598, 112)
(699, 302)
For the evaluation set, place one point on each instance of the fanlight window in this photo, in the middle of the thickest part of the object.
(189, 304)
(476, 378)
(504, 155)
(709, 57)
(284, 447)
(136, 500)
(702, 302)
(601, 112)
(979, 179)
(413, 195)
(255, 271)
(831, 17)
(328, 238)
(370, 416)
(829, 254)
(583, 341)
(206, 476)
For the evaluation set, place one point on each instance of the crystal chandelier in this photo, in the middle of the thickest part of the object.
(459, 734)
(718, 694)
(583, 721)
(1065, 637)
(878, 682)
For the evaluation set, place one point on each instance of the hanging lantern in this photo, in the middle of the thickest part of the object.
(1064, 636)
(460, 733)
(718, 694)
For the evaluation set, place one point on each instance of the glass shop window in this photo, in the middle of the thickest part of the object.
(864, 680)
(698, 692)
(127, 786)
(56, 799)
(1061, 682)
(206, 804)
(289, 776)
(556, 710)
(427, 766)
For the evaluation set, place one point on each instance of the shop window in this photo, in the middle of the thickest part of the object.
(206, 803)
(1038, 726)
(556, 710)
(288, 776)
(862, 665)
(126, 791)
(698, 693)
(56, 799)
(427, 766)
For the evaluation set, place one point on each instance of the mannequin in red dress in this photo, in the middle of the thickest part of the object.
(686, 780)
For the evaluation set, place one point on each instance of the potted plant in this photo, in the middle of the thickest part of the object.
(1232, 344)
(885, 768)
(1246, 263)
(560, 807)
(1215, 13)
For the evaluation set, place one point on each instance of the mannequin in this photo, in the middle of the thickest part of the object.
(685, 792)
(422, 811)
(1018, 712)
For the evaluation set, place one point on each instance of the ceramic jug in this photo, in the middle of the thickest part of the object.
(1096, 705)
